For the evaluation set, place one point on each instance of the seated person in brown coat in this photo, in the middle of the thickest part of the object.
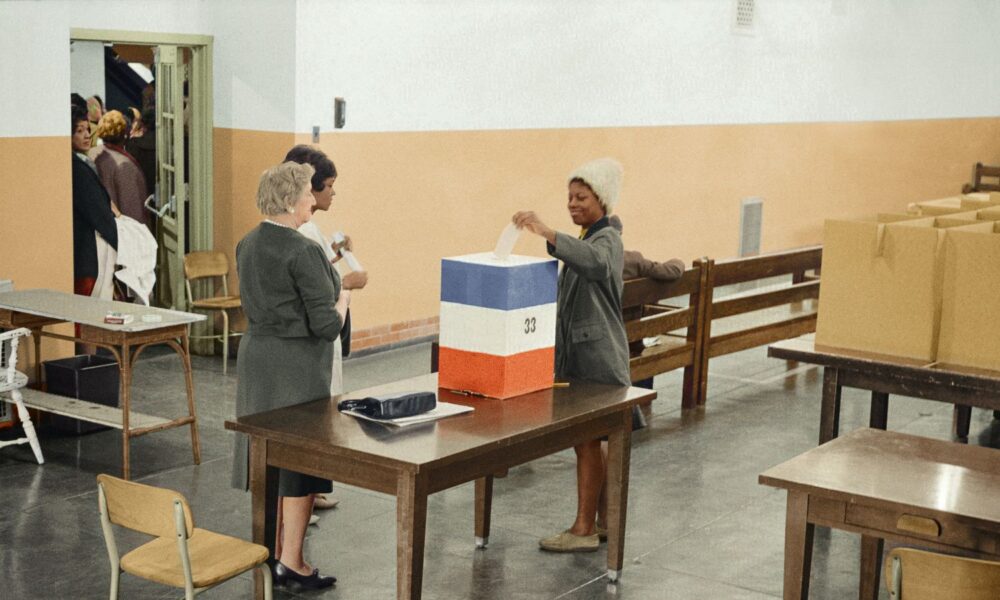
(637, 265)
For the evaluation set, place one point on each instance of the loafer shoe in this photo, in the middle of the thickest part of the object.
(602, 532)
(323, 502)
(568, 542)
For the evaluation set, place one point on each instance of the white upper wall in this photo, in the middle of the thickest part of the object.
(254, 52)
(499, 64)
(412, 65)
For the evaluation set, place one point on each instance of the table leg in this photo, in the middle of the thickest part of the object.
(879, 418)
(484, 506)
(36, 335)
(189, 383)
(619, 457)
(125, 369)
(871, 565)
(411, 525)
(963, 419)
(829, 416)
(798, 546)
(264, 505)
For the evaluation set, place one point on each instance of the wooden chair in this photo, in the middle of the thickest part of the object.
(919, 575)
(794, 321)
(212, 266)
(11, 382)
(181, 556)
(977, 180)
(646, 316)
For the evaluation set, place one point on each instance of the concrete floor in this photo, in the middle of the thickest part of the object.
(699, 525)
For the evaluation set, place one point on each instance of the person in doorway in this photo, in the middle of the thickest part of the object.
(95, 110)
(141, 145)
(119, 171)
(322, 190)
(295, 308)
(93, 213)
(591, 344)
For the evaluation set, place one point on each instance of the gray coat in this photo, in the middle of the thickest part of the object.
(590, 333)
(288, 290)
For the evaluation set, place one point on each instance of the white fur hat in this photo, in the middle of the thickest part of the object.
(604, 176)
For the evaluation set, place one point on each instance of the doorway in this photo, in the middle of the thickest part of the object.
(178, 70)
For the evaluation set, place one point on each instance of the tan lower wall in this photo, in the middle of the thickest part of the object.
(36, 222)
(407, 199)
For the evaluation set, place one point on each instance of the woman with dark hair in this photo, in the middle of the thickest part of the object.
(322, 190)
(591, 344)
(92, 209)
(119, 171)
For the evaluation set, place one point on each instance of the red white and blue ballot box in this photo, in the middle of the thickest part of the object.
(498, 324)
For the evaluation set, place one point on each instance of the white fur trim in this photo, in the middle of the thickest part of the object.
(604, 176)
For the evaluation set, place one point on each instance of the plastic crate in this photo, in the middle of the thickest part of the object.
(85, 377)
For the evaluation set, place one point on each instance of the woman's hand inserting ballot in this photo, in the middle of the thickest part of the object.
(527, 219)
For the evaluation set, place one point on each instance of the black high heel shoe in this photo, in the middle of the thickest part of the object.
(313, 581)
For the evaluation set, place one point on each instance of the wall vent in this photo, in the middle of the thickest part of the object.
(751, 223)
(744, 17)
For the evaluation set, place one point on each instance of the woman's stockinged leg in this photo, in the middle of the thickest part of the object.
(295, 519)
(590, 470)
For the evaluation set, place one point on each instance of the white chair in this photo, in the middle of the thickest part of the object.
(11, 382)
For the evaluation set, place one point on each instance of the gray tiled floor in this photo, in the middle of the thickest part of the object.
(699, 526)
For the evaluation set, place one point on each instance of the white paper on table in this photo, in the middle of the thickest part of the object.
(441, 411)
(505, 244)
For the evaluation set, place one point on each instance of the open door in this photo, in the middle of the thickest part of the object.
(170, 165)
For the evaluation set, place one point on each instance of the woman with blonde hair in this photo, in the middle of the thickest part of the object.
(119, 171)
(295, 308)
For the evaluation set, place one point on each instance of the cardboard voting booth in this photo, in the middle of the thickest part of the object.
(970, 311)
(881, 289)
(498, 324)
(953, 204)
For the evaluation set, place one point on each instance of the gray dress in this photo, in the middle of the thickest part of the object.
(288, 290)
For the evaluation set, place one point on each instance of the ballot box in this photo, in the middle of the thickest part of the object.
(498, 324)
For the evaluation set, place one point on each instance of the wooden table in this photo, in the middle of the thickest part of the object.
(884, 375)
(37, 309)
(888, 486)
(414, 462)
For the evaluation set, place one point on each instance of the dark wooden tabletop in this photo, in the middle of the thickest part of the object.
(899, 469)
(806, 350)
(494, 423)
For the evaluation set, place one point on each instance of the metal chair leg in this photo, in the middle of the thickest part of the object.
(265, 570)
(225, 341)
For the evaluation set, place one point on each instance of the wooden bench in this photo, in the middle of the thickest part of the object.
(677, 329)
(683, 333)
(977, 180)
(788, 314)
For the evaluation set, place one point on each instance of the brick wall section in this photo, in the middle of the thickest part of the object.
(384, 335)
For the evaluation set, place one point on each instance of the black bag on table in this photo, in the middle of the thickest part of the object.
(407, 404)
